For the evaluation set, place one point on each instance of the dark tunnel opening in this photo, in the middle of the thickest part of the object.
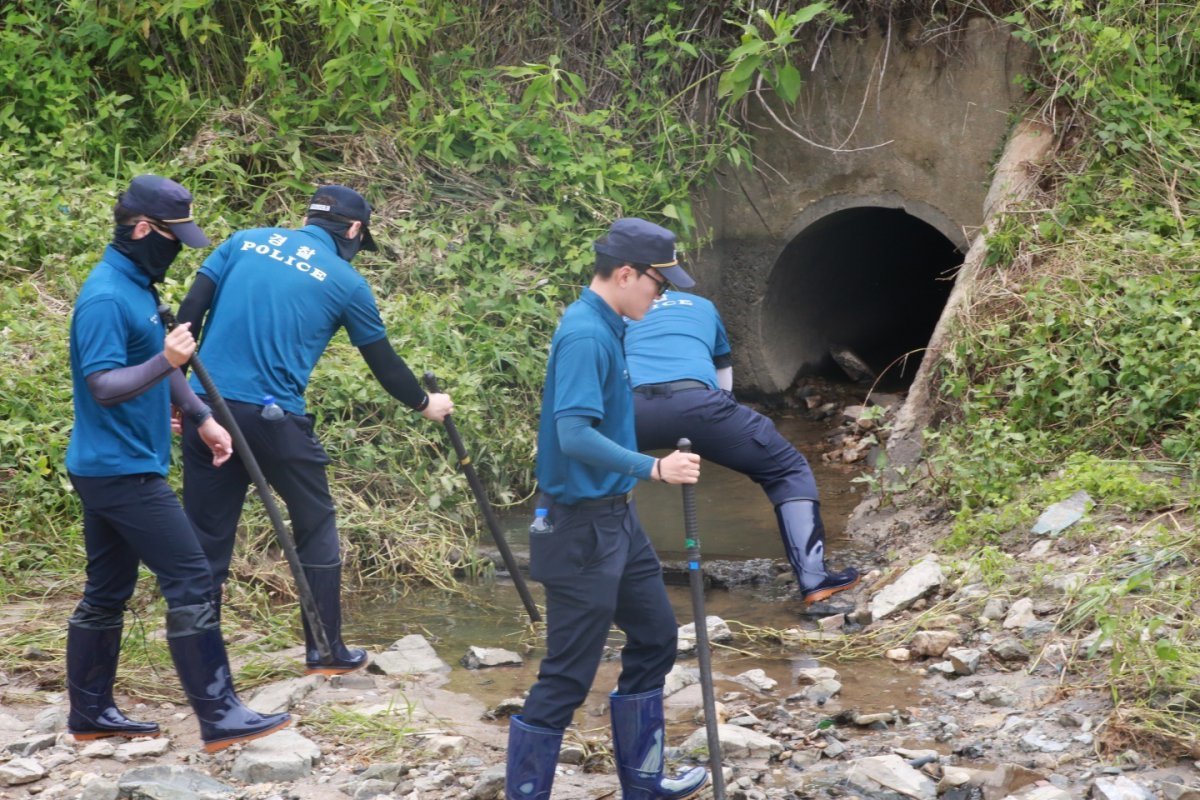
(869, 279)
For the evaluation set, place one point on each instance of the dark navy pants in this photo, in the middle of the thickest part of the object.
(132, 518)
(598, 569)
(293, 462)
(724, 431)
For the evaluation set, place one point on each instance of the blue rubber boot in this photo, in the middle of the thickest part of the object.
(803, 536)
(326, 585)
(638, 744)
(93, 649)
(532, 755)
(194, 638)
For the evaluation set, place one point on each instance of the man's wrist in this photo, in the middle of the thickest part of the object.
(421, 406)
(201, 416)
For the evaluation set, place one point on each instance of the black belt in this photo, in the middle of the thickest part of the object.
(670, 387)
(612, 501)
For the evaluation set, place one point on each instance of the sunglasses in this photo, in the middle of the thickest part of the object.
(662, 284)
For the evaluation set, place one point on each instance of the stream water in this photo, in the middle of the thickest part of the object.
(736, 523)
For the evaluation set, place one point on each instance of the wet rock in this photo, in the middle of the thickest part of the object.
(925, 576)
(184, 779)
(1020, 614)
(890, 772)
(275, 698)
(821, 691)
(758, 680)
(1009, 649)
(832, 623)
(32, 744)
(482, 657)
(1119, 788)
(142, 748)
(851, 363)
(1059, 516)
(811, 675)
(932, 644)
(965, 660)
(735, 743)
(867, 720)
(282, 756)
(718, 631)
(505, 708)
(680, 677)
(20, 771)
(412, 654)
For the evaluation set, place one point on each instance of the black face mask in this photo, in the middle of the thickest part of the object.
(347, 248)
(153, 253)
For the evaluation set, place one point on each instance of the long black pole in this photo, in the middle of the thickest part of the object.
(308, 605)
(464, 461)
(703, 654)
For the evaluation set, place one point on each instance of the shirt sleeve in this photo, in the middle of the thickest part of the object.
(100, 336)
(218, 260)
(580, 441)
(579, 378)
(721, 344)
(361, 317)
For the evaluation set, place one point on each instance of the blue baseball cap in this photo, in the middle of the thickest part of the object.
(643, 243)
(164, 200)
(342, 201)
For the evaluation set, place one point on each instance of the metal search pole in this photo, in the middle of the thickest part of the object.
(703, 654)
(464, 461)
(308, 604)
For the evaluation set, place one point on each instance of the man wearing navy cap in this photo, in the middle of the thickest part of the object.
(125, 374)
(594, 559)
(682, 374)
(273, 298)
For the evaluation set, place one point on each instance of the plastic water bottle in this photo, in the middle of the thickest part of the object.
(541, 522)
(271, 410)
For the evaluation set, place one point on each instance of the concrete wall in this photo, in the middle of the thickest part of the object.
(942, 105)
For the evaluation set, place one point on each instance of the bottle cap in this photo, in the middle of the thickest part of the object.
(541, 512)
(268, 400)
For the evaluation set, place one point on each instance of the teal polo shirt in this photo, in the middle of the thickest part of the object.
(115, 324)
(281, 296)
(677, 340)
(586, 376)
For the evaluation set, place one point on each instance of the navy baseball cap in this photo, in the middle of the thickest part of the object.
(342, 201)
(643, 243)
(164, 200)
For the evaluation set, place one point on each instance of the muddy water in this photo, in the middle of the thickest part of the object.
(736, 522)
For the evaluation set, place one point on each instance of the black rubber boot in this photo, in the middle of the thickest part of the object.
(803, 536)
(639, 739)
(194, 637)
(93, 649)
(532, 756)
(326, 585)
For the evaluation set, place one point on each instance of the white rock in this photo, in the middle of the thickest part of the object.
(907, 589)
(891, 772)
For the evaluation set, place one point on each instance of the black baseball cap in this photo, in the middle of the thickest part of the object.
(164, 200)
(643, 243)
(344, 202)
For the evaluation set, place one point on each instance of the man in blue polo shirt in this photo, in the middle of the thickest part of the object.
(274, 297)
(594, 559)
(125, 376)
(682, 374)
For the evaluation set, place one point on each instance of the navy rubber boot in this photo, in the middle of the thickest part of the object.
(194, 638)
(326, 585)
(638, 745)
(803, 535)
(532, 756)
(93, 649)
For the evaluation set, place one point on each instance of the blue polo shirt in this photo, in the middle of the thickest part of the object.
(586, 376)
(115, 324)
(281, 296)
(677, 340)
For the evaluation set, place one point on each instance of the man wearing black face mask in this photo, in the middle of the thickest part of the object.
(273, 298)
(125, 375)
